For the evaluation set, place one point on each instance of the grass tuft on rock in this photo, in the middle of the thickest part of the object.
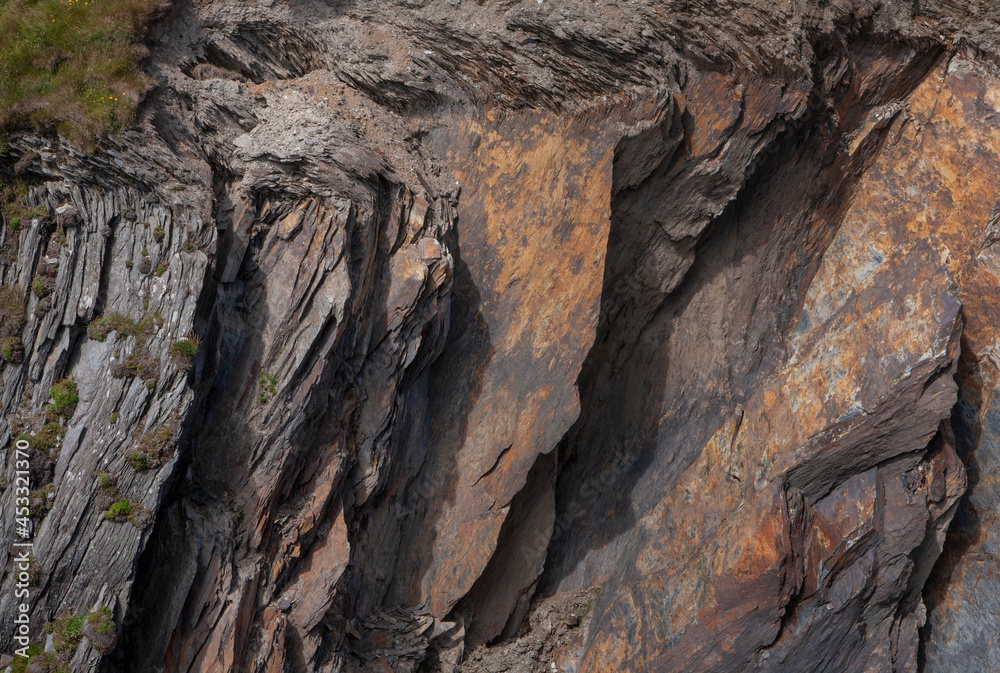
(13, 204)
(122, 510)
(108, 483)
(12, 311)
(41, 287)
(20, 664)
(118, 511)
(184, 349)
(100, 328)
(12, 350)
(40, 502)
(47, 437)
(152, 448)
(268, 387)
(140, 363)
(66, 630)
(65, 395)
(100, 629)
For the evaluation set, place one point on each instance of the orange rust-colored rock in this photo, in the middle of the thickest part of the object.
(841, 398)
(530, 336)
(532, 184)
(740, 514)
(932, 184)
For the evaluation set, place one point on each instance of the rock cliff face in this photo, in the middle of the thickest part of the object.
(518, 336)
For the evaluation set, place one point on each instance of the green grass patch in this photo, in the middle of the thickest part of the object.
(124, 510)
(13, 195)
(184, 349)
(138, 461)
(41, 288)
(39, 502)
(100, 628)
(20, 664)
(108, 483)
(152, 448)
(12, 312)
(67, 630)
(101, 621)
(268, 387)
(65, 395)
(47, 438)
(74, 66)
(119, 511)
(12, 350)
(99, 329)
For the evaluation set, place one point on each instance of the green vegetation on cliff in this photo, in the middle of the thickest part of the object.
(71, 65)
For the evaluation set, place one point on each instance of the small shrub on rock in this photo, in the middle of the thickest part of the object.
(65, 395)
(139, 364)
(107, 482)
(100, 629)
(152, 448)
(12, 350)
(118, 511)
(107, 490)
(268, 387)
(123, 510)
(42, 287)
(47, 438)
(66, 630)
(184, 350)
(12, 311)
(35, 653)
(138, 461)
(40, 501)
(100, 328)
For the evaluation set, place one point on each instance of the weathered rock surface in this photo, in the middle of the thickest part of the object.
(531, 336)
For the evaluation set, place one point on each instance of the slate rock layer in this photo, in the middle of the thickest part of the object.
(532, 336)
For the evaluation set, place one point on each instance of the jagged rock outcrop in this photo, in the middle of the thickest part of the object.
(535, 336)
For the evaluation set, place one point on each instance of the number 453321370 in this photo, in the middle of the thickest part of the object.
(22, 483)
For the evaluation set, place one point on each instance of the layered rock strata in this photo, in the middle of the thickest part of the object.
(452, 336)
